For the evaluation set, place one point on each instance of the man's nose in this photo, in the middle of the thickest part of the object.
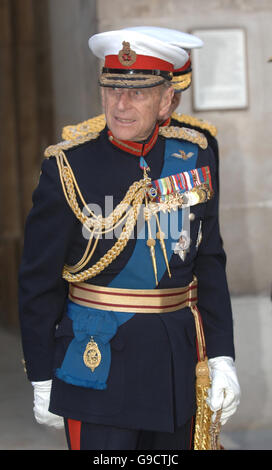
(123, 101)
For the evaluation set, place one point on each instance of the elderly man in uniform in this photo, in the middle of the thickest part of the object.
(181, 81)
(120, 306)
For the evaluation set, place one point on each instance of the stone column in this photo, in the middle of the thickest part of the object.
(74, 68)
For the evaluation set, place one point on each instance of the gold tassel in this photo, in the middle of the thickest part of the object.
(160, 237)
(151, 244)
(206, 436)
(202, 439)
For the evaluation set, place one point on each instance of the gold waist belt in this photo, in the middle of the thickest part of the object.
(134, 300)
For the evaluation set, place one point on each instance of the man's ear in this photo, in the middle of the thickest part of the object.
(176, 100)
(166, 102)
(102, 91)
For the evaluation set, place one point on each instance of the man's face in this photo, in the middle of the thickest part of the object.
(131, 114)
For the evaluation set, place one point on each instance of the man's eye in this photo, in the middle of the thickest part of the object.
(138, 93)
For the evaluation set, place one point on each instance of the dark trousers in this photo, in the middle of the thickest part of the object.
(88, 436)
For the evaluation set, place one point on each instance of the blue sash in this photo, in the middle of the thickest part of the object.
(102, 326)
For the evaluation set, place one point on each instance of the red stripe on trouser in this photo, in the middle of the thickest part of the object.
(74, 433)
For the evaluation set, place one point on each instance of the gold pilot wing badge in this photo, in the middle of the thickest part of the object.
(182, 154)
(126, 55)
(92, 355)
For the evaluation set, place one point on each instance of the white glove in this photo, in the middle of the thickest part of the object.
(42, 392)
(225, 390)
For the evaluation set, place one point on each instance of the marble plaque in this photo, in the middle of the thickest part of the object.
(220, 70)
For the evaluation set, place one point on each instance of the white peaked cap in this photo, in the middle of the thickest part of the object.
(171, 36)
(132, 58)
(182, 77)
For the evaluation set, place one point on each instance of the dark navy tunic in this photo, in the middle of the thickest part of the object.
(151, 384)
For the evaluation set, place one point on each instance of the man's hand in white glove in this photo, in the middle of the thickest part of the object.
(225, 390)
(42, 392)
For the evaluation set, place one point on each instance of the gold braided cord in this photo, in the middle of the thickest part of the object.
(85, 258)
(78, 214)
(199, 333)
(181, 82)
(71, 188)
(97, 225)
(110, 79)
(117, 248)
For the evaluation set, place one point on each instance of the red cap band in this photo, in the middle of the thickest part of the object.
(142, 62)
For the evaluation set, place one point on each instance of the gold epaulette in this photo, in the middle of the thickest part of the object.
(55, 150)
(193, 121)
(95, 124)
(175, 132)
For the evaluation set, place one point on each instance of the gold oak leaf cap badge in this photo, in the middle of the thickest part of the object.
(126, 55)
